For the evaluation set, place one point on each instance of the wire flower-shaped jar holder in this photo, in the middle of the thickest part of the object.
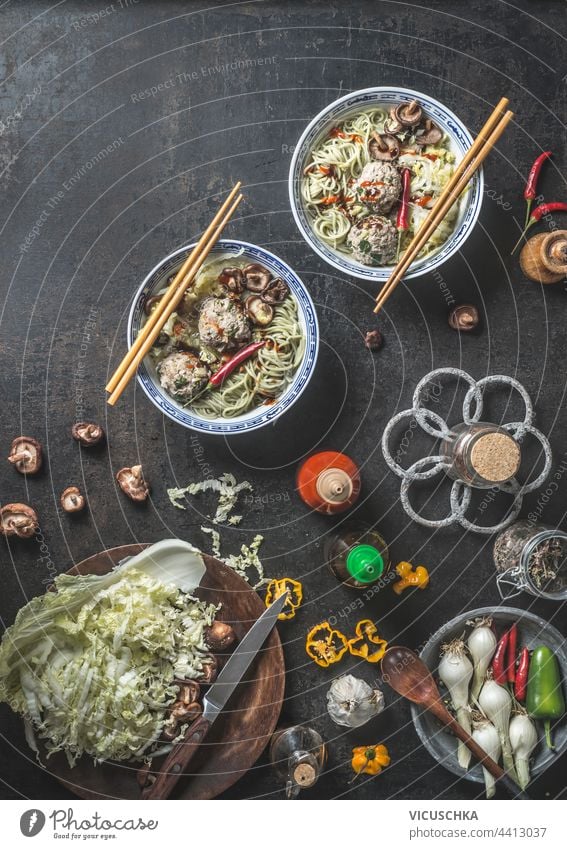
(474, 453)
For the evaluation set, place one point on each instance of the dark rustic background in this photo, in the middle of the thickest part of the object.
(80, 228)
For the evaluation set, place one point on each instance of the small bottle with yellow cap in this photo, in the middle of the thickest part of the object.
(357, 555)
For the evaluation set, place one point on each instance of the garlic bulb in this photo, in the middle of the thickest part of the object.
(352, 702)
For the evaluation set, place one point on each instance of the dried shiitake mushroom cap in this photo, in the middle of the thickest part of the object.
(409, 114)
(383, 146)
(131, 482)
(233, 279)
(257, 277)
(393, 124)
(185, 713)
(26, 455)
(219, 636)
(18, 520)
(258, 311)
(72, 499)
(209, 669)
(87, 433)
(189, 691)
(275, 292)
(431, 134)
(373, 340)
(464, 317)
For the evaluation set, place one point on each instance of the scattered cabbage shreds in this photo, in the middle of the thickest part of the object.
(228, 490)
(91, 666)
(243, 562)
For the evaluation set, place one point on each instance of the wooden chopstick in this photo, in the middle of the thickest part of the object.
(479, 150)
(156, 314)
(151, 336)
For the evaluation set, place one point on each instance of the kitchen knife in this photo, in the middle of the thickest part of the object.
(214, 702)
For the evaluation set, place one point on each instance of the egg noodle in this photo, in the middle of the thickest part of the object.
(257, 381)
(337, 162)
(263, 377)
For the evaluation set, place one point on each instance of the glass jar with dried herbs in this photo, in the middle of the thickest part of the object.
(531, 557)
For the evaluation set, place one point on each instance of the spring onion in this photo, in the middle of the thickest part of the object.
(496, 704)
(481, 645)
(487, 737)
(456, 671)
(523, 739)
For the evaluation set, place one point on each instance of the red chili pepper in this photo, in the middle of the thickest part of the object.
(329, 200)
(511, 654)
(499, 660)
(539, 212)
(531, 185)
(402, 220)
(521, 684)
(244, 353)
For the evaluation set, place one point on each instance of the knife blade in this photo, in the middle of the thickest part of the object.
(213, 703)
(241, 658)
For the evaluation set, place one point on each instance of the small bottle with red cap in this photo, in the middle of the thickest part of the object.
(328, 482)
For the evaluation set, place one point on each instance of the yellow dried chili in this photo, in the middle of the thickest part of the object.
(410, 577)
(325, 645)
(367, 643)
(294, 589)
(369, 759)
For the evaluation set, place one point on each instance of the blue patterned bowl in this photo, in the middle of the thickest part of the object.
(459, 141)
(259, 416)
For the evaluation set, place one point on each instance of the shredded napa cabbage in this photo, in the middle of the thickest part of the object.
(91, 666)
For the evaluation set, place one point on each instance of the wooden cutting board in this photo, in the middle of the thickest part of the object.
(240, 734)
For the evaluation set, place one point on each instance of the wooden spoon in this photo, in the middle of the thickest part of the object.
(408, 675)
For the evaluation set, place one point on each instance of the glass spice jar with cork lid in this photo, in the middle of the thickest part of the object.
(481, 455)
(531, 557)
(298, 755)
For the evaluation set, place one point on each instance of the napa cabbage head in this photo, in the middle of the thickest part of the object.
(91, 666)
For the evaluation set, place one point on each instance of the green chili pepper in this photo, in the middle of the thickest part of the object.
(545, 699)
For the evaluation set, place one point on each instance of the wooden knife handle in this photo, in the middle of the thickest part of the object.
(177, 761)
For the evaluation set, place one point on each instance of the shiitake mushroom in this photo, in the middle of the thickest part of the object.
(219, 636)
(258, 311)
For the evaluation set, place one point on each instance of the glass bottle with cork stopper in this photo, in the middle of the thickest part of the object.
(357, 555)
(481, 455)
(298, 754)
(328, 482)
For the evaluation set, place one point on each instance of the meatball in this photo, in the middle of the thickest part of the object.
(223, 324)
(183, 375)
(373, 240)
(379, 186)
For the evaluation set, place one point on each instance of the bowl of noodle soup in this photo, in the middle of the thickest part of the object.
(326, 176)
(212, 325)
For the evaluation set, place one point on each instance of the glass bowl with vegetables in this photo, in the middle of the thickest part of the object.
(367, 170)
(240, 348)
(503, 673)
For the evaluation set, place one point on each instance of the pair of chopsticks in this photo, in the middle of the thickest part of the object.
(171, 298)
(470, 163)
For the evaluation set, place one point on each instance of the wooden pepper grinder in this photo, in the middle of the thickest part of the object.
(328, 482)
(544, 257)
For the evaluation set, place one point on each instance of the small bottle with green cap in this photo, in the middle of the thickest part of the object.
(357, 555)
